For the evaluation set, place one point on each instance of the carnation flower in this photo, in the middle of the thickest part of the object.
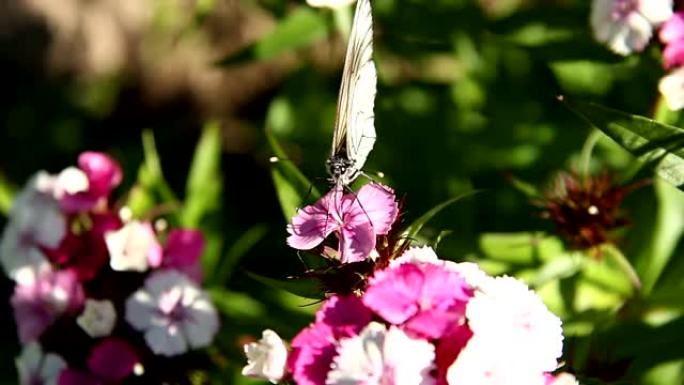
(506, 314)
(470, 272)
(85, 251)
(38, 368)
(266, 359)
(626, 26)
(425, 298)
(182, 252)
(313, 349)
(356, 219)
(173, 312)
(378, 356)
(133, 247)
(35, 223)
(98, 318)
(41, 297)
(86, 187)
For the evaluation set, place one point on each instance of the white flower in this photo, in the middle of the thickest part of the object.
(517, 322)
(329, 3)
(626, 26)
(416, 254)
(37, 368)
(564, 379)
(266, 359)
(173, 312)
(133, 247)
(483, 361)
(98, 318)
(35, 221)
(378, 356)
(672, 89)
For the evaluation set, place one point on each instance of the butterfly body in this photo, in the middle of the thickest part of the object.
(354, 133)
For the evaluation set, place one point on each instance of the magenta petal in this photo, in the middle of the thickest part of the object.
(183, 247)
(673, 54)
(104, 173)
(314, 223)
(433, 323)
(347, 315)
(356, 242)
(673, 29)
(76, 377)
(393, 294)
(112, 360)
(448, 348)
(312, 353)
(376, 204)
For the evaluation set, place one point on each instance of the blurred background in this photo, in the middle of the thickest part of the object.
(466, 99)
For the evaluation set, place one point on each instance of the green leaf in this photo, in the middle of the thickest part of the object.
(236, 305)
(238, 249)
(414, 228)
(7, 193)
(292, 187)
(151, 188)
(303, 287)
(298, 29)
(204, 185)
(658, 145)
(665, 234)
(562, 266)
(525, 248)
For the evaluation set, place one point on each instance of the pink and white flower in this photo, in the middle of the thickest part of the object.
(88, 186)
(35, 223)
(626, 26)
(378, 356)
(41, 297)
(134, 247)
(267, 358)
(357, 219)
(36, 367)
(314, 348)
(173, 312)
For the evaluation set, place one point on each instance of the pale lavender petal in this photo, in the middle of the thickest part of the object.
(166, 341)
(314, 223)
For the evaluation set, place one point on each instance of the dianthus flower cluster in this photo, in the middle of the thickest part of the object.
(99, 296)
(417, 320)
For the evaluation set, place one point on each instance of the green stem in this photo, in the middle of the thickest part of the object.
(587, 149)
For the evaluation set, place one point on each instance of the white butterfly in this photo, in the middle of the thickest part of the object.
(354, 134)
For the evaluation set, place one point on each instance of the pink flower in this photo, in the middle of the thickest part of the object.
(672, 34)
(314, 348)
(426, 298)
(43, 296)
(86, 253)
(182, 252)
(356, 219)
(448, 348)
(112, 360)
(102, 173)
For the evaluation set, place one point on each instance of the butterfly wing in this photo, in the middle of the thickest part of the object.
(354, 134)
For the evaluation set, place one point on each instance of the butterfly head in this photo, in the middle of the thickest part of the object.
(342, 170)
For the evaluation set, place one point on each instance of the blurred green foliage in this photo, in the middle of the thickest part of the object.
(466, 101)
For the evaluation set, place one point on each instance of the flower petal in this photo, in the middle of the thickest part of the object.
(376, 204)
(314, 223)
(356, 242)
